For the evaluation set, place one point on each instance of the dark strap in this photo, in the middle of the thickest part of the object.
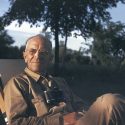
(44, 86)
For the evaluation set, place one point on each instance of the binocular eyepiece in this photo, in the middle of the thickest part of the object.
(54, 96)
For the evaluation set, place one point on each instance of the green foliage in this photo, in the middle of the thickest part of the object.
(74, 57)
(90, 81)
(68, 15)
(5, 39)
(62, 16)
(109, 44)
(5, 42)
(7, 51)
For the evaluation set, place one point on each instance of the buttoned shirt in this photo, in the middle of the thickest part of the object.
(25, 100)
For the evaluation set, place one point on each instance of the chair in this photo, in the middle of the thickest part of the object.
(3, 118)
(8, 68)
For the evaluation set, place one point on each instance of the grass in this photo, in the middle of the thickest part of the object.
(89, 81)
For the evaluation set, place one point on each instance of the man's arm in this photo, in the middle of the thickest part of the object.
(77, 103)
(17, 108)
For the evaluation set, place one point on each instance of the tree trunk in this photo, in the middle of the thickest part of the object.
(56, 63)
(65, 48)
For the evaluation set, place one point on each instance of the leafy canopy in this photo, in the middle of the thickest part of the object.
(68, 15)
(109, 44)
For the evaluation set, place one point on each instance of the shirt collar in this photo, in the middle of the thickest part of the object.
(34, 75)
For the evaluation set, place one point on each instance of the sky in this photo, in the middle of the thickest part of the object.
(20, 34)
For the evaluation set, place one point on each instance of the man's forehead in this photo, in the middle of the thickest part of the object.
(38, 41)
(35, 42)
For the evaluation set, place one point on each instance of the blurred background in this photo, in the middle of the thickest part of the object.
(88, 39)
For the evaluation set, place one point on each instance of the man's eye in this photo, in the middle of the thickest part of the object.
(32, 51)
(43, 53)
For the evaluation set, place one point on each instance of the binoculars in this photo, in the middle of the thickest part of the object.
(54, 96)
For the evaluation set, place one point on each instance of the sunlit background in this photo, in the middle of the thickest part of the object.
(20, 34)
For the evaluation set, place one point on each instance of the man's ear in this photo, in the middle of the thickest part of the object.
(24, 56)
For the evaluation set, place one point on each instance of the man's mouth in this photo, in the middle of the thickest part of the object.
(36, 62)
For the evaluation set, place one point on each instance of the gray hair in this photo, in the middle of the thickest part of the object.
(43, 38)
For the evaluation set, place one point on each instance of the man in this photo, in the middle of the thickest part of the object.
(28, 102)
(27, 95)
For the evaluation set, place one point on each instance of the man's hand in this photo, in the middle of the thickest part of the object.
(70, 119)
(57, 109)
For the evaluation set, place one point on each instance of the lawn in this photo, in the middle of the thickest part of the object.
(89, 81)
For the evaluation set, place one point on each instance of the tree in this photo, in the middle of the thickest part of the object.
(109, 44)
(5, 41)
(7, 51)
(62, 16)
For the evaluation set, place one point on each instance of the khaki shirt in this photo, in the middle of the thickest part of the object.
(25, 103)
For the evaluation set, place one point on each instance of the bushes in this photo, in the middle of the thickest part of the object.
(91, 81)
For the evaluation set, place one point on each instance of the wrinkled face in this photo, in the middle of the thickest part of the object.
(37, 55)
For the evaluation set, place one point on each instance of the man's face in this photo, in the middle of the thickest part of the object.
(37, 55)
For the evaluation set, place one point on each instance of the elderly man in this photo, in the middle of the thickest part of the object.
(34, 97)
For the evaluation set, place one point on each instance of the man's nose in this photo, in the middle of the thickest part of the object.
(37, 54)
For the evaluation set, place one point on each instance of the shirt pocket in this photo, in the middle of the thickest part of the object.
(40, 106)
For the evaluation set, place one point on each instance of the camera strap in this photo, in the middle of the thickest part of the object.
(42, 87)
(46, 82)
(49, 82)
